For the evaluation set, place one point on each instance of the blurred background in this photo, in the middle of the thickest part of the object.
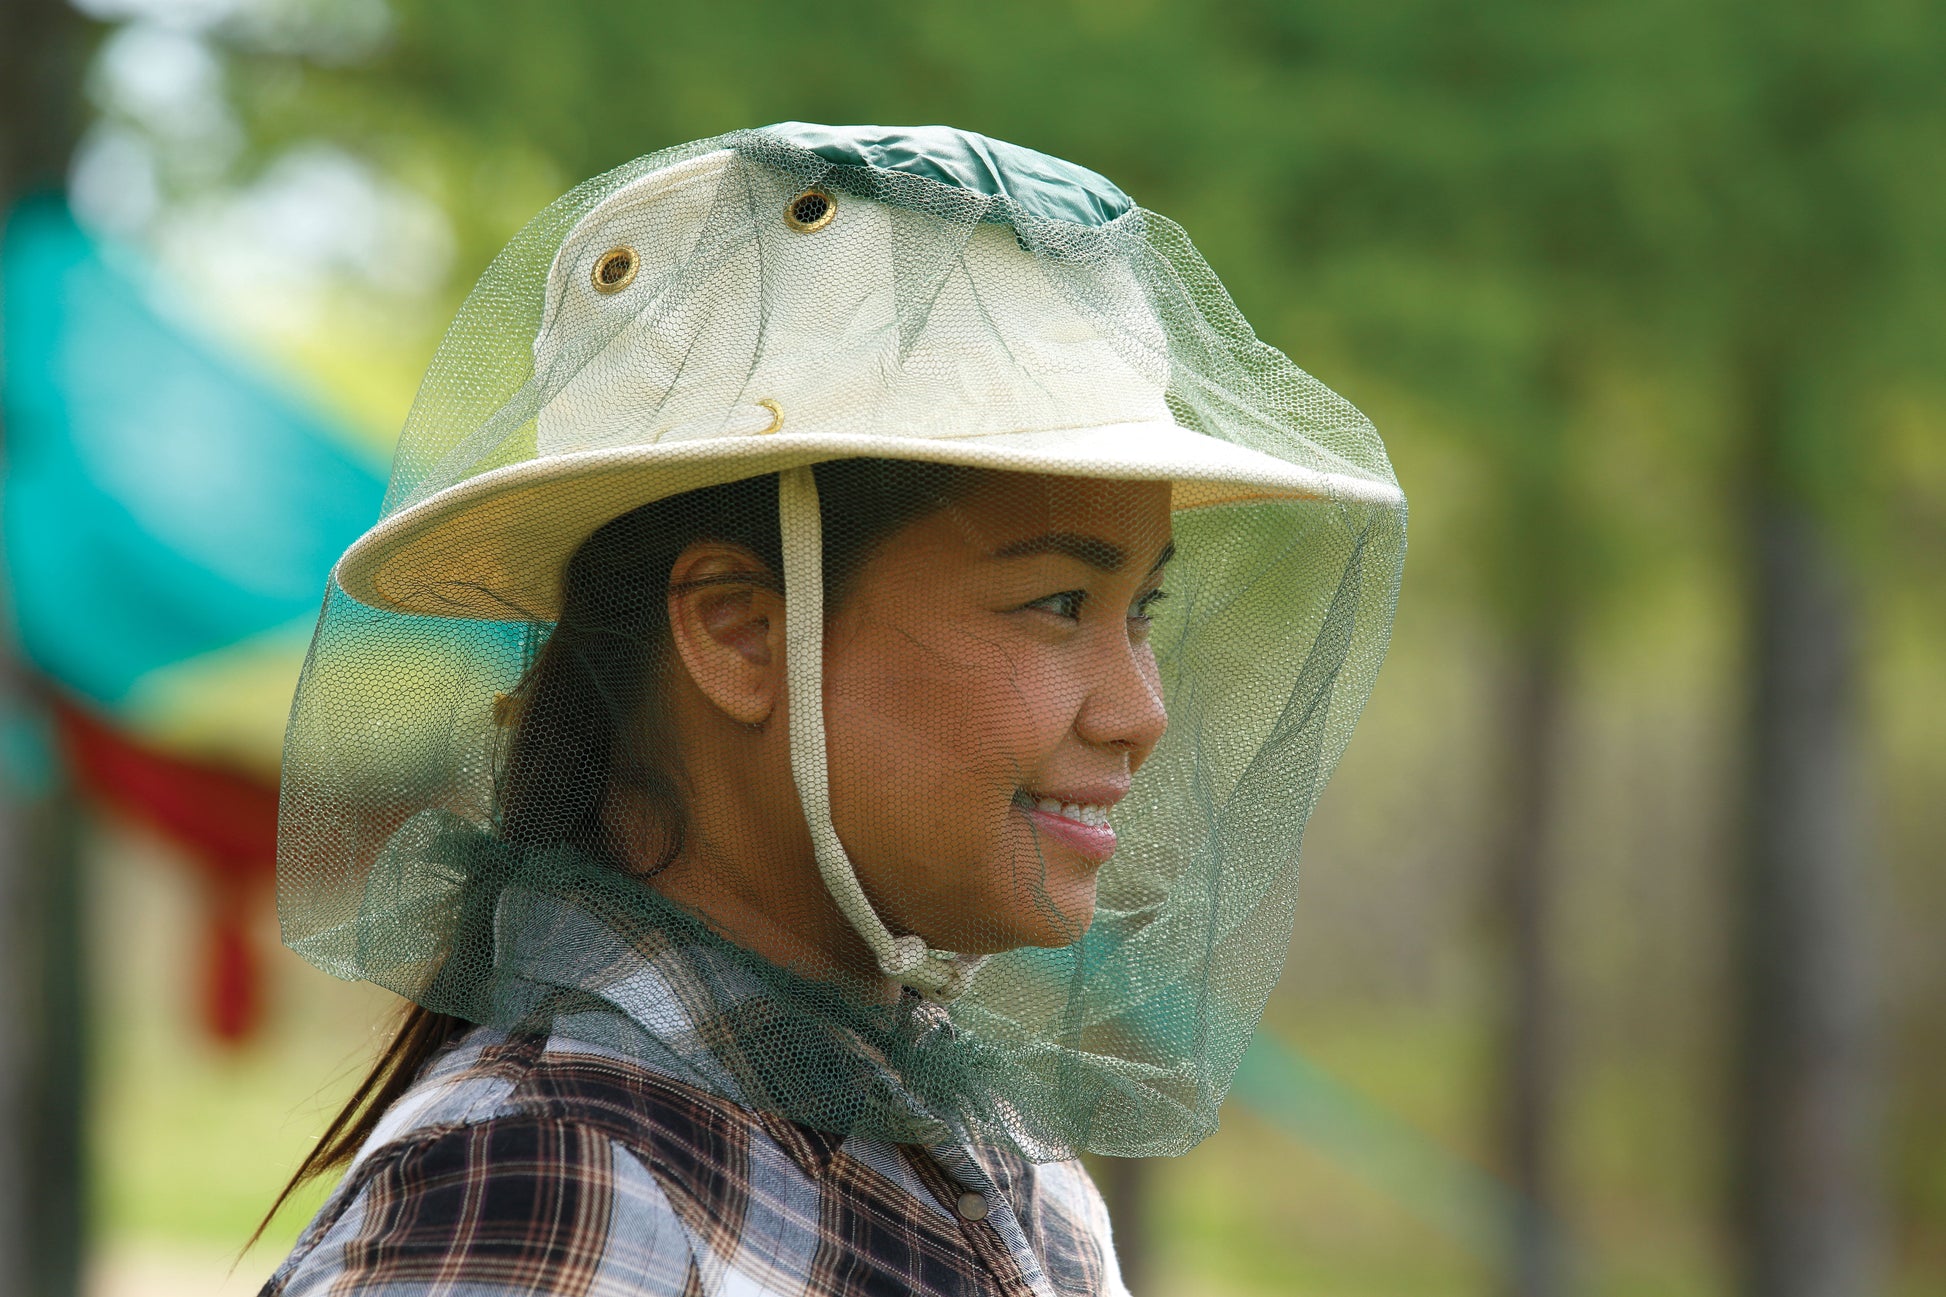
(1620, 966)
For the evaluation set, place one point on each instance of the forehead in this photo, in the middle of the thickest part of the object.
(1005, 508)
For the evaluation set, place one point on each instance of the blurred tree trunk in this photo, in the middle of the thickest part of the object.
(1531, 702)
(42, 1090)
(1805, 1101)
(1541, 543)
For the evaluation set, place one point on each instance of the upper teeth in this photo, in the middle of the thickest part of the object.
(1086, 814)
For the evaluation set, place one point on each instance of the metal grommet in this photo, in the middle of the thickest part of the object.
(776, 415)
(810, 211)
(614, 270)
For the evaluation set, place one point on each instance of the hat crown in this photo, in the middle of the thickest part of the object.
(735, 320)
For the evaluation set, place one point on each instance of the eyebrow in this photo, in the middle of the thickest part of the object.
(1102, 555)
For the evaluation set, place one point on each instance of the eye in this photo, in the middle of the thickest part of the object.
(1145, 606)
(1142, 616)
(1066, 604)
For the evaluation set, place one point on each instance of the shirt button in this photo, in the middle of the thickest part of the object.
(972, 1206)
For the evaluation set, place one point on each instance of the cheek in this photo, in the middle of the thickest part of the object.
(1151, 677)
(928, 743)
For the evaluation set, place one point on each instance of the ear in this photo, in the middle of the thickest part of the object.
(727, 621)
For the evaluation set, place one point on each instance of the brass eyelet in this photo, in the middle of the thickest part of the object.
(614, 270)
(810, 211)
(776, 415)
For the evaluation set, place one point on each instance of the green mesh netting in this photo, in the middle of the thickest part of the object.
(859, 623)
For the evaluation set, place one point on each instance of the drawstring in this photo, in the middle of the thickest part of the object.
(935, 974)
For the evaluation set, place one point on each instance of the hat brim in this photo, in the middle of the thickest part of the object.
(493, 547)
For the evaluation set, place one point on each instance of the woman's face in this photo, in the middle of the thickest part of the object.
(989, 691)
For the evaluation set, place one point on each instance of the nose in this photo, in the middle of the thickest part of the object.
(1123, 707)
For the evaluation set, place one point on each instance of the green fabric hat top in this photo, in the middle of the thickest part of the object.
(1038, 184)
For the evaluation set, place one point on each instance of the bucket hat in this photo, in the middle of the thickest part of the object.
(1014, 370)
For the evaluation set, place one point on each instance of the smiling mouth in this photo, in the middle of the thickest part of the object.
(1082, 826)
(1092, 814)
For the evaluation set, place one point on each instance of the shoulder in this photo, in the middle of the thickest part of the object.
(470, 1182)
(515, 1204)
(491, 1077)
(527, 1166)
(1064, 1219)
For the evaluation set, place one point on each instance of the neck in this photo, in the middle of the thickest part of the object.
(749, 871)
(772, 912)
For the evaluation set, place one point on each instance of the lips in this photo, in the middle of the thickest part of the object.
(1078, 820)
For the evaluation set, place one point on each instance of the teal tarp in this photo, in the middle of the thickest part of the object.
(160, 500)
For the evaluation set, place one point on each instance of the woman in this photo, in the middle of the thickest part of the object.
(822, 730)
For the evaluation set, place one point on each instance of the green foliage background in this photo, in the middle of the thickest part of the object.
(1568, 256)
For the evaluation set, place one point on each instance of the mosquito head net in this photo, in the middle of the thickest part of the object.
(858, 625)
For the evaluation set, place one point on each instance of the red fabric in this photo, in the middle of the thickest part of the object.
(224, 821)
(232, 974)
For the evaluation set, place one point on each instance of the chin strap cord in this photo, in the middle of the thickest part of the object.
(935, 974)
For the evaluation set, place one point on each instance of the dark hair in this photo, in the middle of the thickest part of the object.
(586, 721)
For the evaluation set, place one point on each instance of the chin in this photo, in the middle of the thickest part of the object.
(1054, 917)
(1024, 896)
(1054, 937)
(1011, 922)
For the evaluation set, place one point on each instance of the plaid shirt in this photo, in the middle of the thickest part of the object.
(517, 1164)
